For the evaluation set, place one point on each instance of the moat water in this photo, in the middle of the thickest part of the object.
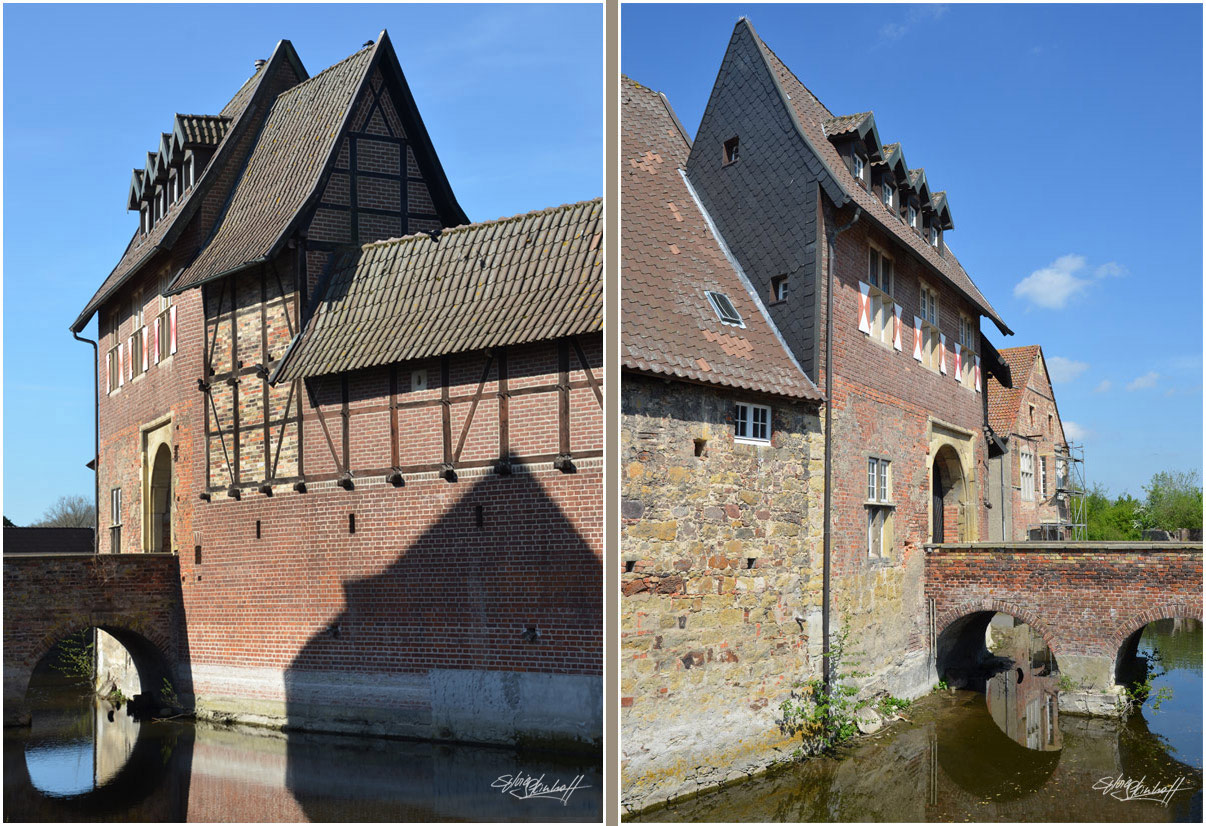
(76, 762)
(949, 761)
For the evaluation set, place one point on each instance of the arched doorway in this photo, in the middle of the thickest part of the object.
(948, 489)
(159, 528)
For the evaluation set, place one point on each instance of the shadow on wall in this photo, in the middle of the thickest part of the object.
(487, 628)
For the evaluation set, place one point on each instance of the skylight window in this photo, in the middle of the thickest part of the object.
(724, 308)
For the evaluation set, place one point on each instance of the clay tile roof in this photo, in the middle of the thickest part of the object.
(671, 258)
(532, 277)
(844, 123)
(141, 247)
(283, 170)
(811, 115)
(202, 130)
(1004, 402)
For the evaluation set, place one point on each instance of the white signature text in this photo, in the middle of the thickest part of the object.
(1123, 788)
(524, 786)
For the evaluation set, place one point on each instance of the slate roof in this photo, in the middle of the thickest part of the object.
(811, 115)
(1004, 403)
(671, 257)
(532, 277)
(47, 540)
(283, 170)
(142, 247)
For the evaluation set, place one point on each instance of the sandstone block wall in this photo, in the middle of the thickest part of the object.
(721, 579)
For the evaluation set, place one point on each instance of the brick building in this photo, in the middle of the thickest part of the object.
(1029, 474)
(371, 429)
(840, 248)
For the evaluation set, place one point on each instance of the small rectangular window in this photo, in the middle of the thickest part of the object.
(934, 237)
(889, 194)
(859, 166)
(912, 216)
(751, 423)
(730, 150)
(779, 288)
(1026, 474)
(724, 308)
(879, 508)
(115, 520)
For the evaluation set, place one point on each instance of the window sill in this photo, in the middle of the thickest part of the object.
(875, 503)
(776, 303)
(744, 440)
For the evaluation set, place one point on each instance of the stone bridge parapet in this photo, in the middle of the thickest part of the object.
(1086, 599)
(134, 597)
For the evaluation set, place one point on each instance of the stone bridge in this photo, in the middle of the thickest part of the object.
(136, 598)
(1088, 601)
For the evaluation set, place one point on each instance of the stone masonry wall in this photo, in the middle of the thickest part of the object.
(721, 556)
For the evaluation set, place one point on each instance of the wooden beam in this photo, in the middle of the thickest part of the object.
(347, 424)
(325, 432)
(448, 470)
(481, 385)
(393, 415)
(590, 377)
(564, 461)
(264, 361)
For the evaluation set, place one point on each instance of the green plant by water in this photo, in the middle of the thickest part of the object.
(77, 657)
(1144, 692)
(826, 719)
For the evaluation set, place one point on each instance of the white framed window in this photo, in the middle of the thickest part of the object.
(879, 507)
(115, 520)
(968, 343)
(882, 308)
(1043, 476)
(859, 166)
(1026, 473)
(751, 423)
(934, 237)
(929, 305)
(732, 149)
(889, 194)
(931, 335)
(912, 216)
(779, 288)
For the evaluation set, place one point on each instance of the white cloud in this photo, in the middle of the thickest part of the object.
(1110, 269)
(1144, 382)
(1062, 369)
(1053, 285)
(917, 14)
(1074, 432)
(1105, 385)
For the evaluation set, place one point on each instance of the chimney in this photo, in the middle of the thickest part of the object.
(259, 64)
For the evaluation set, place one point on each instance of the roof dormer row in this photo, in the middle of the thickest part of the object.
(174, 168)
(881, 170)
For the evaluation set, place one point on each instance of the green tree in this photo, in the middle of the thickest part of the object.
(1111, 521)
(1174, 501)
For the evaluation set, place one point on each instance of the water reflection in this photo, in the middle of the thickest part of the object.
(951, 762)
(79, 762)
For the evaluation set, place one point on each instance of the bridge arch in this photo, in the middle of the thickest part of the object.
(959, 635)
(1124, 642)
(147, 647)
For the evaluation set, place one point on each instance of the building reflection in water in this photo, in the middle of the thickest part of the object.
(1024, 703)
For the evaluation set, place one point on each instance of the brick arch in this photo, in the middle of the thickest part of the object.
(159, 639)
(974, 606)
(1168, 610)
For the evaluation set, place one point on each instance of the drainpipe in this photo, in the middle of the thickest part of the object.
(95, 438)
(825, 590)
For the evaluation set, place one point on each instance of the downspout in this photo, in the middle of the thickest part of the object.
(95, 438)
(825, 588)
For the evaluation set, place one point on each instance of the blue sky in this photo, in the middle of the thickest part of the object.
(1069, 139)
(511, 95)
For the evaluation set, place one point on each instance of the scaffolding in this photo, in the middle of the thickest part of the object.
(1071, 491)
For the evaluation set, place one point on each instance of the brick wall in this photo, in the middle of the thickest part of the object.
(1046, 435)
(889, 406)
(721, 608)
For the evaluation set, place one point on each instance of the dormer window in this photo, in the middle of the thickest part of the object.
(859, 165)
(912, 216)
(189, 168)
(730, 150)
(779, 288)
(889, 194)
(934, 236)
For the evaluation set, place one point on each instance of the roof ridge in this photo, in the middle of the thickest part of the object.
(330, 68)
(787, 68)
(478, 224)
